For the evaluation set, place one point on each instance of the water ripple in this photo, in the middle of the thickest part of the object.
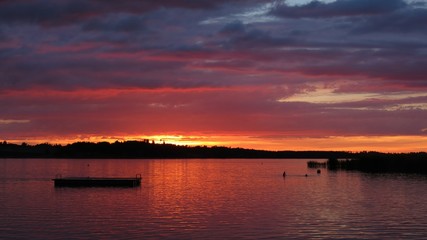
(210, 199)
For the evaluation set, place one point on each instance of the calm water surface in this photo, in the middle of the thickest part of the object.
(200, 199)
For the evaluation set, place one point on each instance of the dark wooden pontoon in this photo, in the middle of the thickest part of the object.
(97, 182)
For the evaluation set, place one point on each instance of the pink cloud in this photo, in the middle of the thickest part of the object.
(210, 68)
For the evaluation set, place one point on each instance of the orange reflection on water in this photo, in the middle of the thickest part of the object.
(212, 198)
(220, 190)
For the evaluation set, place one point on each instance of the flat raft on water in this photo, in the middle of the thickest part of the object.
(59, 181)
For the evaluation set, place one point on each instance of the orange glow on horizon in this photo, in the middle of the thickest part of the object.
(333, 143)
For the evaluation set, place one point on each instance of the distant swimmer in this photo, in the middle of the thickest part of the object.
(318, 171)
(306, 175)
(284, 173)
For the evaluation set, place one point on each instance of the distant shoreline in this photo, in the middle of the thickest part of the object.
(145, 150)
(375, 162)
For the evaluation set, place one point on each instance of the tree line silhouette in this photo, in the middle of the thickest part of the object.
(147, 149)
(375, 162)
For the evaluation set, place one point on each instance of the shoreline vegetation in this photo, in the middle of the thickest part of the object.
(146, 149)
(374, 162)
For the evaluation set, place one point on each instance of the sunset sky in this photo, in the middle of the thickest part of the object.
(278, 75)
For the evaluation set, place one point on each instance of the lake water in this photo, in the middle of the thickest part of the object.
(208, 199)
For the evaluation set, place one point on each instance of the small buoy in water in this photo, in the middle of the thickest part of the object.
(284, 173)
(318, 171)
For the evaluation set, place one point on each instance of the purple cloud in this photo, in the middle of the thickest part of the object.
(340, 8)
(66, 12)
(91, 67)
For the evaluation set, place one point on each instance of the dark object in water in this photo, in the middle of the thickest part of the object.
(284, 174)
(318, 171)
(97, 182)
(314, 164)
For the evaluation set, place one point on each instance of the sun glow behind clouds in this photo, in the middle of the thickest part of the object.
(13, 121)
(331, 96)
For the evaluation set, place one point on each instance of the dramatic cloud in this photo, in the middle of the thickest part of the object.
(260, 70)
(404, 21)
(64, 12)
(341, 8)
(12, 121)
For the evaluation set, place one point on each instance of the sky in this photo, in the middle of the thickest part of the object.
(278, 75)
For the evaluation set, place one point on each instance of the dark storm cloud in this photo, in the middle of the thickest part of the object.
(2, 36)
(404, 21)
(340, 8)
(58, 72)
(124, 23)
(64, 12)
(43, 11)
(233, 28)
(327, 52)
(362, 16)
(403, 66)
(236, 35)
